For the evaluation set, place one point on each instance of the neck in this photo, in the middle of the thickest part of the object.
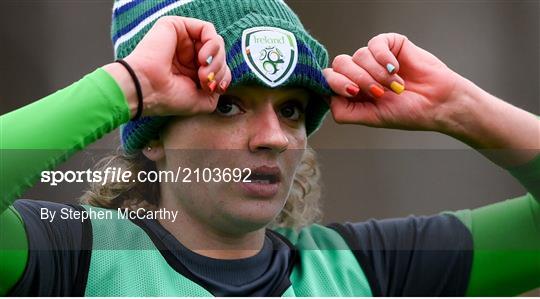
(207, 239)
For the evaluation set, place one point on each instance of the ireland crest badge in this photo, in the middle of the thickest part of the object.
(271, 53)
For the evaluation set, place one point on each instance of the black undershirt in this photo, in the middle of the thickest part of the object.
(258, 275)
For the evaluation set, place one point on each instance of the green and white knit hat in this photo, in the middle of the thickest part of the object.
(266, 44)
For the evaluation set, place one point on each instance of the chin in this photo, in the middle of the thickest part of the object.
(251, 216)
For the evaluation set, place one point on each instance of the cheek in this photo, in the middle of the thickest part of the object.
(195, 132)
(297, 139)
(292, 159)
(297, 147)
(207, 137)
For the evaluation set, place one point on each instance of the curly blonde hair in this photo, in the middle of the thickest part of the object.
(303, 206)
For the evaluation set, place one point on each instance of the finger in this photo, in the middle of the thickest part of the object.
(345, 111)
(184, 45)
(211, 51)
(168, 38)
(226, 81)
(198, 46)
(365, 59)
(208, 72)
(198, 29)
(182, 70)
(340, 84)
(385, 48)
(344, 65)
(211, 77)
(211, 80)
(212, 57)
(188, 32)
(223, 77)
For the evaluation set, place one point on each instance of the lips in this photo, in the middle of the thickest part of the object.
(265, 175)
(264, 182)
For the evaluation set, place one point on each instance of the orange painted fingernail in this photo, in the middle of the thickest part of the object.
(211, 76)
(223, 85)
(352, 90)
(212, 85)
(376, 91)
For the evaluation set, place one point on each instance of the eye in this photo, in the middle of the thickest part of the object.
(292, 110)
(226, 106)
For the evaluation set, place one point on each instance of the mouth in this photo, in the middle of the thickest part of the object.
(265, 175)
(262, 182)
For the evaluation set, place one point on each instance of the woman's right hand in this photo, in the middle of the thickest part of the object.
(171, 63)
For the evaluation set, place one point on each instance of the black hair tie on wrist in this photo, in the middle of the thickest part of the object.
(137, 88)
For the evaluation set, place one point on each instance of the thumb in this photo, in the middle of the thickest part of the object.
(345, 111)
(183, 97)
(205, 102)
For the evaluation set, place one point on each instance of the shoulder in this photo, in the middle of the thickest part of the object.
(396, 253)
(57, 249)
(51, 225)
(440, 231)
(38, 206)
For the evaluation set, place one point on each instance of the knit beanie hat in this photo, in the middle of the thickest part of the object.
(265, 42)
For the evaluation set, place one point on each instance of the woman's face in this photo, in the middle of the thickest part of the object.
(253, 128)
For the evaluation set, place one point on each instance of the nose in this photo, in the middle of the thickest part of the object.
(266, 132)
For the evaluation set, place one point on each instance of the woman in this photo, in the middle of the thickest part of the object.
(243, 92)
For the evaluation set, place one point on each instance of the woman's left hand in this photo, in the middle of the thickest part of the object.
(367, 95)
(435, 98)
